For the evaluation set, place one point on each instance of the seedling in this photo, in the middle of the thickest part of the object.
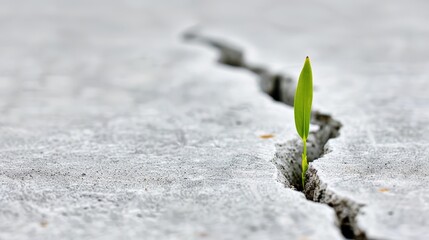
(302, 110)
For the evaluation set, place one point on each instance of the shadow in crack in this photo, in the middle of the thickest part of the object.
(287, 159)
(281, 89)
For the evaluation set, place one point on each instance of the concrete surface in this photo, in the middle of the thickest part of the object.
(370, 64)
(113, 128)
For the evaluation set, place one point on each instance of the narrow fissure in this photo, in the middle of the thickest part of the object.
(287, 159)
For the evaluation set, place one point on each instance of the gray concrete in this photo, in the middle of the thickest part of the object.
(371, 72)
(113, 128)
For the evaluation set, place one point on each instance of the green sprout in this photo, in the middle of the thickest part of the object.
(302, 110)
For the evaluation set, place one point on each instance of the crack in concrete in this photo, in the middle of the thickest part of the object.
(345, 209)
(287, 159)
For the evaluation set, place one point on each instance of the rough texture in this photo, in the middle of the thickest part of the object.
(111, 128)
(370, 72)
(280, 88)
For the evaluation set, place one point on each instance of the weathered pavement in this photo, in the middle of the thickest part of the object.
(111, 127)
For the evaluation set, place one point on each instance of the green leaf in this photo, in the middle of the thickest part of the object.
(303, 99)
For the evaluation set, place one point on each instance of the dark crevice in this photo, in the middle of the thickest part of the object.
(276, 94)
(345, 209)
(287, 159)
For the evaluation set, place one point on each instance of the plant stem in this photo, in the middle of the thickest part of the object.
(304, 163)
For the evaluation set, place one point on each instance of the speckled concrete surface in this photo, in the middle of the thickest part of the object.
(370, 64)
(111, 127)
